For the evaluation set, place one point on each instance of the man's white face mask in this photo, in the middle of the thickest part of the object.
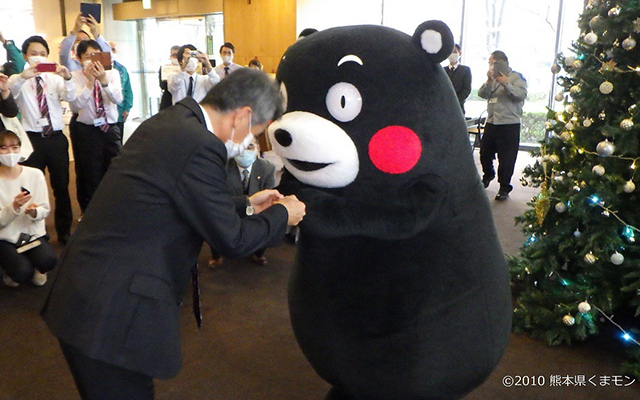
(233, 149)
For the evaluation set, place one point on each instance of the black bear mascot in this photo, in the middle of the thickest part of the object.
(400, 289)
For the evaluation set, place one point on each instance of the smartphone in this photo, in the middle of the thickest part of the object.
(103, 57)
(500, 68)
(46, 67)
(90, 8)
(25, 190)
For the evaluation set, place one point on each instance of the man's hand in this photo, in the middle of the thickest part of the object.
(502, 79)
(2, 39)
(204, 58)
(20, 200)
(93, 26)
(63, 71)
(80, 20)
(295, 208)
(31, 210)
(4, 85)
(264, 199)
(125, 115)
(88, 73)
(99, 73)
(30, 72)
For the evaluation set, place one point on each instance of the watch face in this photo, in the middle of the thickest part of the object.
(249, 210)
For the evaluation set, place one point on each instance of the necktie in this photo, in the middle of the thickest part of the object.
(47, 130)
(197, 310)
(99, 102)
(226, 71)
(245, 180)
(190, 90)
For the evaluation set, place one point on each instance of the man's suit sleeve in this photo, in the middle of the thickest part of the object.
(466, 85)
(270, 175)
(203, 199)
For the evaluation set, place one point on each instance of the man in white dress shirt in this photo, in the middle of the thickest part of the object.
(38, 96)
(99, 138)
(188, 82)
(228, 66)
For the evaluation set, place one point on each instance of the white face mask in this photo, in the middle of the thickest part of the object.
(233, 148)
(192, 64)
(10, 160)
(37, 59)
(454, 57)
(86, 62)
(227, 59)
(174, 61)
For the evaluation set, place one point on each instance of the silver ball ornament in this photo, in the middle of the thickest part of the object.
(590, 38)
(629, 187)
(629, 43)
(555, 68)
(598, 170)
(577, 233)
(626, 124)
(606, 87)
(617, 258)
(561, 207)
(605, 148)
(614, 12)
(568, 61)
(568, 320)
(597, 23)
(584, 307)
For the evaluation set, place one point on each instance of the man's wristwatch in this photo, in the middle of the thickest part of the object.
(249, 210)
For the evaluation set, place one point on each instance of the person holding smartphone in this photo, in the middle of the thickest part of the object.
(39, 90)
(187, 82)
(24, 204)
(99, 138)
(505, 91)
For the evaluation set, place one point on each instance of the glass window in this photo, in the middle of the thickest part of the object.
(16, 23)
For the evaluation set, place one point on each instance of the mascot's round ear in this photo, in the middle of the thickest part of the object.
(435, 38)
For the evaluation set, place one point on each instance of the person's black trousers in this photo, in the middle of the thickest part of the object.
(93, 152)
(52, 153)
(21, 266)
(98, 380)
(503, 140)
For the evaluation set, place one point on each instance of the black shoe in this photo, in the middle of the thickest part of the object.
(486, 180)
(502, 195)
(64, 238)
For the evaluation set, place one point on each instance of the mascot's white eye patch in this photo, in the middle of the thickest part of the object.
(315, 150)
(344, 101)
(284, 95)
(350, 57)
(431, 41)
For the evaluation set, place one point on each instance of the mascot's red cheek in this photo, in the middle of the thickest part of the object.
(395, 149)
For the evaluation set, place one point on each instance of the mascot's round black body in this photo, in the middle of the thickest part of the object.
(400, 289)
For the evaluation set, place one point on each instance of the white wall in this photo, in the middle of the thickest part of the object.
(323, 14)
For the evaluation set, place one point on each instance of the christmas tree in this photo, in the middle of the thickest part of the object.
(581, 261)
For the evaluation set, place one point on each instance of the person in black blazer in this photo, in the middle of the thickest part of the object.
(460, 76)
(261, 175)
(114, 305)
(8, 106)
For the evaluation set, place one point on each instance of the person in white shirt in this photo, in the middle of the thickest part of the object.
(188, 82)
(228, 66)
(99, 138)
(38, 95)
(24, 204)
(68, 46)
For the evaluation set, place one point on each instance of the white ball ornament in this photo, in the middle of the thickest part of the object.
(577, 233)
(570, 108)
(584, 307)
(575, 89)
(590, 38)
(568, 320)
(605, 148)
(606, 87)
(561, 207)
(629, 187)
(626, 124)
(587, 122)
(598, 170)
(559, 96)
(617, 258)
(569, 60)
(569, 126)
(629, 43)
(570, 174)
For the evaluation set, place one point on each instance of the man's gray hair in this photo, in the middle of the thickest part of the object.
(247, 87)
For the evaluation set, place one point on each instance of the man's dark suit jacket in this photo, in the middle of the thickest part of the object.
(127, 266)
(461, 81)
(263, 176)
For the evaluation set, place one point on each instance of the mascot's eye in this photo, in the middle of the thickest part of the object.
(344, 101)
(284, 95)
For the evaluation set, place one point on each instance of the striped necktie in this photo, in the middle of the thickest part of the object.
(47, 130)
(99, 102)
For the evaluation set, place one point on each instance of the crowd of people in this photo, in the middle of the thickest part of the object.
(100, 98)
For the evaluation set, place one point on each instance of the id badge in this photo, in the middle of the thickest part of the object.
(42, 122)
(99, 121)
(493, 100)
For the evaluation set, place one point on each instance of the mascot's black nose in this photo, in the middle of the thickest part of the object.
(283, 137)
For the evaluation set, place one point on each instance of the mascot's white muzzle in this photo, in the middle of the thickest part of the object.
(315, 150)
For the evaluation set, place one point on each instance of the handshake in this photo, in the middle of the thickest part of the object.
(262, 200)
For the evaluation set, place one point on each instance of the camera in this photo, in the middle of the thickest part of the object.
(195, 54)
